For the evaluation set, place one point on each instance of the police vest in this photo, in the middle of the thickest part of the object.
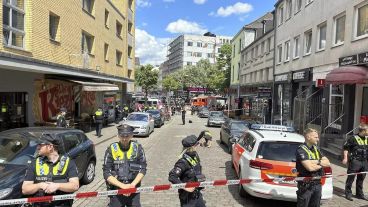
(194, 170)
(56, 174)
(98, 115)
(311, 155)
(126, 164)
(361, 150)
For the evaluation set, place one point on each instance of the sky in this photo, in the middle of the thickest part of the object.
(160, 21)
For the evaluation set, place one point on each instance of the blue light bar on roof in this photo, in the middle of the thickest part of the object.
(272, 127)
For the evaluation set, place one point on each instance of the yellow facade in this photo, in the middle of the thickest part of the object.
(73, 20)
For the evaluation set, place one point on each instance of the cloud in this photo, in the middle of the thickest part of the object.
(237, 9)
(243, 18)
(169, 1)
(183, 26)
(199, 1)
(149, 49)
(144, 24)
(143, 3)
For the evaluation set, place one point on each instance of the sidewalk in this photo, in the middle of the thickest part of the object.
(107, 133)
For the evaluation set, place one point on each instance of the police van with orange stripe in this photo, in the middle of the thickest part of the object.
(267, 152)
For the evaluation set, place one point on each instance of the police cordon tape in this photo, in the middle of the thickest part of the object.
(214, 183)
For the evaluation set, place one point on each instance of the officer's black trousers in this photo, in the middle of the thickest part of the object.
(98, 129)
(192, 202)
(125, 201)
(354, 167)
(183, 119)
(309, 196)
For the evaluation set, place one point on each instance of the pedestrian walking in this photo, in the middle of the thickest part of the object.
(60, 119)
(98, 118)
(183, 112)
(188, 169)
(309, 163)
(355, 156)
(51, 174)
(207, 137)
(124, 167)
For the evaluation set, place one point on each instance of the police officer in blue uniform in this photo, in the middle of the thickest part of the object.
(356, 156)
(188, 169)
(124, 167)
(309, 163)
(51, 174)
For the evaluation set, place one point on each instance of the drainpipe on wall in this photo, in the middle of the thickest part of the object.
(274, 65)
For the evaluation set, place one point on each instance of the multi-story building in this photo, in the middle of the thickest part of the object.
(256, 72)
(320, 41)
(190, 49)
(74, 54)
(246, 35)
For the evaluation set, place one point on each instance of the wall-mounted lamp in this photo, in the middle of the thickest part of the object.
(98, 68)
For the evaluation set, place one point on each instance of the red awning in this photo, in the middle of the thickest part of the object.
(348, 75)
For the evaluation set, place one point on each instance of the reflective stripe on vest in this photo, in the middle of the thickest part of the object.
(311, 155)
(98, 113)
(4, 109)
(208, 134)
(118, 154)
(192, 161)
(360, 140)
(43, 169)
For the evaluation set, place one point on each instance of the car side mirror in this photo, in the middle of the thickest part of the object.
(124, 119)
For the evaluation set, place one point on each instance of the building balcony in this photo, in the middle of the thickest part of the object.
(130, 64)
(130, 39)
(130, 15)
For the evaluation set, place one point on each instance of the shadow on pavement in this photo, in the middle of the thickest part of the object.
(221, 145)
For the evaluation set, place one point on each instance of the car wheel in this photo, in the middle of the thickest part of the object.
(208, 124)
(89, 174)
(241, 190)
(221, 142)
(229, 148)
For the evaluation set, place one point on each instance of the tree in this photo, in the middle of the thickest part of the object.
(146, 78)
(224, 63)
(169, 83)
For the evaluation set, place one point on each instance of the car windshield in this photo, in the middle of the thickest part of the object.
(154, 112)
(239, 126)
(217, 113)
(137, 117)
(280, 151)
(17, 150)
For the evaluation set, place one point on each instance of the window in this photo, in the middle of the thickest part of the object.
(118, 57)
(249, 142)
(190, 44)
(238, 70)
(262, 47)
(87, 43)
(307, 42)
(219, 50)
(287, 51)
(71, 141)
(336, 108)
(210, 55)
(289, 9)
(199, 44)
(54, 27)
(322, 36)
(107, 15)
(189, 63)
(296, 46)
(362, 21)
(197, 54)
(232, 77)
(252, 53)
(279, 151)
(119, 28)
(339, 28)
(13, 23)
(279, 52)
(281, 14)
(298, 5)
(269, 44)
(256, 52)
(88, 6)
(234, 51)
(308, 2)
(106, 52)
(189, 54)
(240, 46)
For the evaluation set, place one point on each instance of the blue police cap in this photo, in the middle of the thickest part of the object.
(189, 141)
(49, 139)
(125, 130)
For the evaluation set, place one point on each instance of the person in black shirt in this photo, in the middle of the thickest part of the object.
(61, 122)
(188, 169)
(51, 174)
(183, 112)
(356, 155)
(309, 163)
(124, 167)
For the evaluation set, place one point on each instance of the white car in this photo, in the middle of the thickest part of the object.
(266, 152)
(143, 123)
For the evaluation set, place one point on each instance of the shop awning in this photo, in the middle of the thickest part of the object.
(348, 75)
(93, 86)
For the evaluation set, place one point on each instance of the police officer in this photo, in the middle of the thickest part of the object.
(183, 112)
(188, 169)
(309, 163)
(98, 118)
(356, 155)
(124, 167)
(51, 173)
(61, 122)
(207, 136)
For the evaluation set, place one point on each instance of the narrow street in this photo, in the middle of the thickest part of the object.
(162, 150)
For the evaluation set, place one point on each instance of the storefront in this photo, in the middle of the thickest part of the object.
(282, 99)
(256, 102)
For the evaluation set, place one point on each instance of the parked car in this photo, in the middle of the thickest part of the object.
(18, 146)
(142, 122)
(232, 129)
(203, 112)
(158, 117)
(216, 118)
(267, 152)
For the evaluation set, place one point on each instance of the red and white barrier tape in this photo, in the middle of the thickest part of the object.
(161, 188)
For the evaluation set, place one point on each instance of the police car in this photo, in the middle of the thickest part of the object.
(266, 152)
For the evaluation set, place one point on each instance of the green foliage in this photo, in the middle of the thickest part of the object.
(224, 63)
(169, 83)
(146, 78)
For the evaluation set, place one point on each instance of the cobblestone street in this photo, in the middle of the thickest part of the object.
(162, 150)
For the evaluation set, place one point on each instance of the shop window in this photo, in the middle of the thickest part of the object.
(336, 106)
(13, 23)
